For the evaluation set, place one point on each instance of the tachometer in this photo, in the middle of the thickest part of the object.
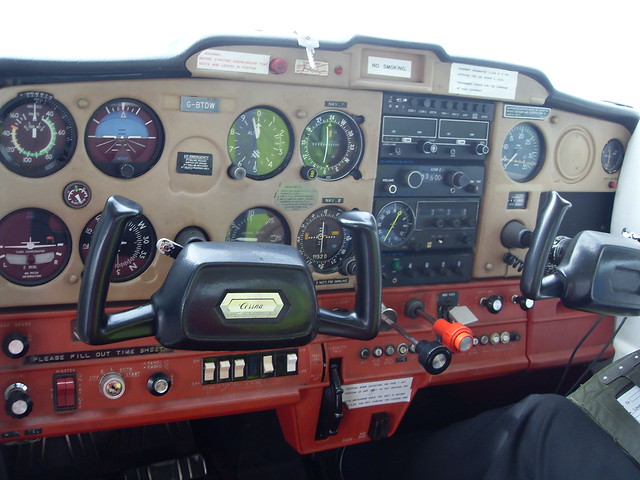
(332, 145)
(522, 152)
(322, 241)
(37, 135)
(136, 252)
(612, 156)
(259, 224)
(35, 246)
(395, 223)
(124, 138)
(259, 141)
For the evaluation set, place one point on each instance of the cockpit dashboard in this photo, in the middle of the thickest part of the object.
(261, 141)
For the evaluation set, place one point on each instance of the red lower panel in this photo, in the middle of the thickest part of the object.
(72, 387)
(554, 331)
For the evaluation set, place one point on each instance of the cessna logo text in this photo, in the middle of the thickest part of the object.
(249, 305)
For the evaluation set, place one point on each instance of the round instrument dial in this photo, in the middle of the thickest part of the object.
(259, 225)
(76, 195)
(332, 144)
(124, 138)
(259, 141)
(612, 156)
(395, 223)
(322, 241)
(522, 152)
(35, 246)
(136, 252)
(37, 135)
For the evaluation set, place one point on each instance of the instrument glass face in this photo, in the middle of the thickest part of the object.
(37, 135)
(35, 246)
(259, 224)
(332, 144)
(322, 241)
(259, 141)
(395, 223)
(522, 152)
(136, 252)
(124, 138)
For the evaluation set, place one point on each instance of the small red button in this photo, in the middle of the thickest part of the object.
(278, 66)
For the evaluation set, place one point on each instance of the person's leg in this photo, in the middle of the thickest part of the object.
(543, 437)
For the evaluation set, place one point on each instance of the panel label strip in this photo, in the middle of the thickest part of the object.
(359, 395)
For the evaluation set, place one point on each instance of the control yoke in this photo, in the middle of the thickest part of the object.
(228, 295)
(594, 271)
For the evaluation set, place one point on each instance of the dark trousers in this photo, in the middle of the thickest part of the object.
(543, 437)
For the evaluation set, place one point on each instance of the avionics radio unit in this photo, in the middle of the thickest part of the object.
(436, 128)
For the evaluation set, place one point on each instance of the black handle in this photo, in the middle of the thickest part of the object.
(550, 215)
(96, 327)
(364, 322)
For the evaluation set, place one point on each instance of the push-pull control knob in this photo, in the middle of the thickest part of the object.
(457, 179)
(433, 356)
(494, 303)
(17, 402)
(523, 302)
(15, 345)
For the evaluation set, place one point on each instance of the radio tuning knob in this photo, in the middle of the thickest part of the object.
(456, 179)
(413, 179)
(428, 147)
(482, 149)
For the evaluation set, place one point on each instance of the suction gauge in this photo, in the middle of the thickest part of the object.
(124, 138)
(37, 135)
(332, 144)
(612, 156)
(136, 252)
(35, 246)
(322, 241)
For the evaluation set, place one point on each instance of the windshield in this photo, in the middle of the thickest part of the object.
(583, 50)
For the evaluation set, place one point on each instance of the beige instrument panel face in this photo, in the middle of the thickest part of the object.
(173, 200)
